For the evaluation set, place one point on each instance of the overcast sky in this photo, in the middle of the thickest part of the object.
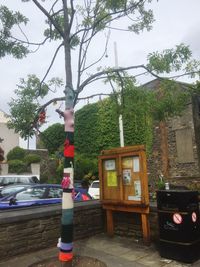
(177, 21)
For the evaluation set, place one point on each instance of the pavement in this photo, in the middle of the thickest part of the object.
(114, 252)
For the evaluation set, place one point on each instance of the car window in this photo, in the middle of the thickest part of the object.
(31, 193)
(7, 191)
(95, 185)
(9, 180)
(1, 180)
(22, 180)
(55, 192)
(18, 180)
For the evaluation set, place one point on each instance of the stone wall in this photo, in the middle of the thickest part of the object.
(179, 170)
(189, 167)
(29, 230)
(196, 115)
(24, 231)
(129, 224)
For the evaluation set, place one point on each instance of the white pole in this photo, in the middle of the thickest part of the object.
(121, 128)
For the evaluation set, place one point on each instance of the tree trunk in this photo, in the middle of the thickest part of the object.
(66, 241)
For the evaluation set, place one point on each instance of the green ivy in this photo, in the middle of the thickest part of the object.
(96, 125)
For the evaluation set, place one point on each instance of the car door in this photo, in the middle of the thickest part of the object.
(53, 195)
(30, 196)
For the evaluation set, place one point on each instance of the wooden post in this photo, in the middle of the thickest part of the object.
(110, 225)
(145, 228)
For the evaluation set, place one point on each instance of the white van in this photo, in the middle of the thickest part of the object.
(94, 190)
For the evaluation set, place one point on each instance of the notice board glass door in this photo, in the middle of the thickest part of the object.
(111, 181)
(131, 178)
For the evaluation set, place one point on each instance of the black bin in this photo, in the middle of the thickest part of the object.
(179, 225)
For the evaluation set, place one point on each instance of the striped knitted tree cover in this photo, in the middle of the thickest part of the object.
(66, 241)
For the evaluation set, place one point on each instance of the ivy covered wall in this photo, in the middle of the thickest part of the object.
(97, 125)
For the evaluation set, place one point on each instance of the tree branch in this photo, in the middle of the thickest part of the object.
(80, 60)
(30, 43)
(110, 15)
(72, 15)
(53, 7)
(49, 102)
(52, 61)
(91, 96)
(97, 61)
(45, 12)
(114, 70)
(184, 74)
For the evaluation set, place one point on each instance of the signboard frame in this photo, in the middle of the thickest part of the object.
(126, 188)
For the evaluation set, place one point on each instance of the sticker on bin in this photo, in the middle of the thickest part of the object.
(194, 217)
(177, 218)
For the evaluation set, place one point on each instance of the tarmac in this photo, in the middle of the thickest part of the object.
(114, 252)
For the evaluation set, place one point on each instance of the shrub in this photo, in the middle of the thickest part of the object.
(16, 153)
(17, 166)
(85, 167)
(32, 158)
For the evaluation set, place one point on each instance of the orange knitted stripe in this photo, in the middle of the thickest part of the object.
(65, 256)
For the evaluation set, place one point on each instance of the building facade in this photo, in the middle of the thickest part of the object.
(10, 138)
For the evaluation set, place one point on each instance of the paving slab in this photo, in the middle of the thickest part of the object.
(114, 252)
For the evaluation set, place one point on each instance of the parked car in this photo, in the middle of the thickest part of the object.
(36, 195)
(17, 179)
(94, 190)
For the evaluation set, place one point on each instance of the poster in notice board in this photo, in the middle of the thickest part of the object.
(110, 165)
(127, 176)
(112, 178)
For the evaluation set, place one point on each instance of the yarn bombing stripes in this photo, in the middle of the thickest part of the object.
(65, 243)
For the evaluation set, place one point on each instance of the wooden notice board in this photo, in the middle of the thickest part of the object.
(124, 184)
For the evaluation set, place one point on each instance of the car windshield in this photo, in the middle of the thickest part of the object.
(95, 185)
